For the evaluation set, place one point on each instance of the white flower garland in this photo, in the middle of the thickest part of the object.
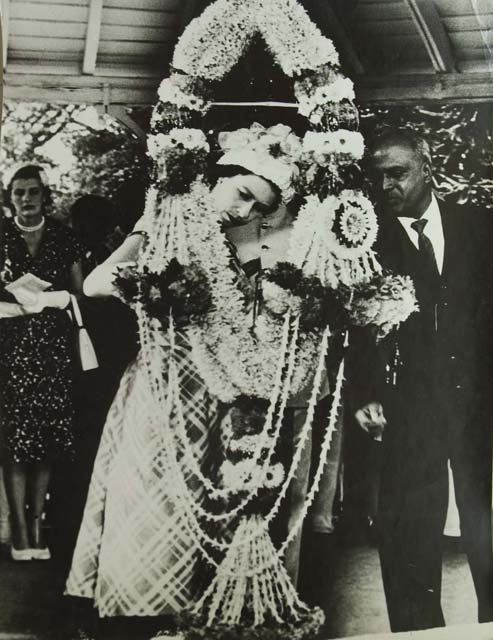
(189, 139)
(171, 90)
(335, 92)
(236, 356)
(213, 44)
(295, 41)
(317, 248)
(333, 147)
(227, 26)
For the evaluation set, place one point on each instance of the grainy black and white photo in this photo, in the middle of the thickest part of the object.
(246, 319)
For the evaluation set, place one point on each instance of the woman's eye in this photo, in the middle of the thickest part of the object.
(244, 195)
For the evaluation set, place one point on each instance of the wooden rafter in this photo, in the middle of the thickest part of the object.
(433, 34)
(5, 28)
(92, 36)
(132, 90)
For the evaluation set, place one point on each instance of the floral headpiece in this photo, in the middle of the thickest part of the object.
(269, 153)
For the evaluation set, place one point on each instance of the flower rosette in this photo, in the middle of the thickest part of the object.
(355, 226)
(180, 157)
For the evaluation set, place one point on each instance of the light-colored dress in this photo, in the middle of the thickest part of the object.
(135, 554)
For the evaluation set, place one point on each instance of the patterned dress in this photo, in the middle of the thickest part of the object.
(135, 553)
(36, 351)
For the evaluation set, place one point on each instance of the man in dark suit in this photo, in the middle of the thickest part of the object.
(427, 398)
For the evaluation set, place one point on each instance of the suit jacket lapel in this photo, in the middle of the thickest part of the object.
(398, 252)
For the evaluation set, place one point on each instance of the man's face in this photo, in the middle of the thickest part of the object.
(402, 180)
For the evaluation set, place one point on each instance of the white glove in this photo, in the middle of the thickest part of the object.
(51, 299)
(11, 310)
(371, 419)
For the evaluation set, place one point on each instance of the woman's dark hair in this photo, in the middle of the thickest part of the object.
(93, 218)
(218, 171)
(28, 172)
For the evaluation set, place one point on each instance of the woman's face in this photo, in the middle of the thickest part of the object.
(27, 198)
(242, 198)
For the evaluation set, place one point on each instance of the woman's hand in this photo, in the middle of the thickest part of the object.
(48, 299)
(11, 310)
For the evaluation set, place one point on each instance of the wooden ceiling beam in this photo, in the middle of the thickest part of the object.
(5, 29)
(131, 90)
(93, 35)
(433, 34)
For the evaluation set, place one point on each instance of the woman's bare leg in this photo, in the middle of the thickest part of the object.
(37, 487)
(15, 480)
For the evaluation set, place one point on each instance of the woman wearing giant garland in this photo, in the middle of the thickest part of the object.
(224, 355)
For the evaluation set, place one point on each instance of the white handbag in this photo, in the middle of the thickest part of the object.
(85, 348)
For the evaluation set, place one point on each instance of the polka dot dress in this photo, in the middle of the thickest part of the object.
(36, 352)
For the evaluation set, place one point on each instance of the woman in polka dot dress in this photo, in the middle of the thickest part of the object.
(36, 345)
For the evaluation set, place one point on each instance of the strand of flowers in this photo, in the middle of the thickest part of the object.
(167, 237)
(186, 501)
(198, 508)
(229, 596)
(295, 461)
(305, 431)
(324, 452)
(182, 438)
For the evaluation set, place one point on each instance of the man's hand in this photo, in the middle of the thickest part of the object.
(371, 419)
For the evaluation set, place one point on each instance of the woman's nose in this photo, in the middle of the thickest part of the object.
(244, 210)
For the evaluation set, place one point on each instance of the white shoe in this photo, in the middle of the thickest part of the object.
(40, 554)
(21, 555)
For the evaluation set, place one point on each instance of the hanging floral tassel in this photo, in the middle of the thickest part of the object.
(252, 589)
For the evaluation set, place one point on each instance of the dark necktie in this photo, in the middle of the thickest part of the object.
(426, 251)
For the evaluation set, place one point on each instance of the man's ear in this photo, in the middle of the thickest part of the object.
(428, 175)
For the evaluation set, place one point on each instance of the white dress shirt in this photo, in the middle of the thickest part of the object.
(433, 231)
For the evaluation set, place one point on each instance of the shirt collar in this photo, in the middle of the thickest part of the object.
(431, 215)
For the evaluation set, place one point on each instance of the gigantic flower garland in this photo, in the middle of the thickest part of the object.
(253, 358)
